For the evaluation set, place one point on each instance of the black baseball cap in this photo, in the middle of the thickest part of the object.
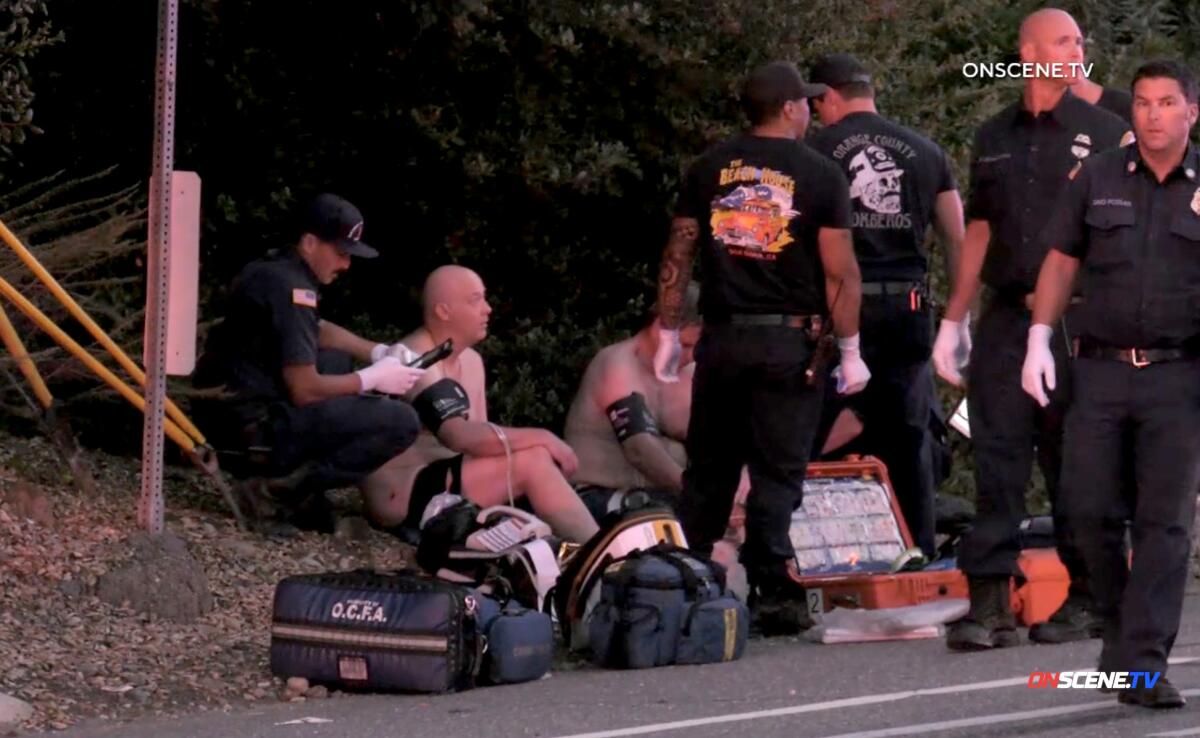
(836, 70)
(333, 219)
(779, 81)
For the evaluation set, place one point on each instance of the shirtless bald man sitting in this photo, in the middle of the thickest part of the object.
(458, 450)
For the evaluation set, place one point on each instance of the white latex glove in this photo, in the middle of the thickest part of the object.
(389, 375)
(851, 373)
(402, 352)
(1039, 364)
(952, 349)
(964, 338)
(399, 350)
(666, 356)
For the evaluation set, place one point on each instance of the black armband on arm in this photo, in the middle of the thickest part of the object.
(629, 416)
(440, 401)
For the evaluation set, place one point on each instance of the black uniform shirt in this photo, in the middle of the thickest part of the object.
(1019, 168)
(895, 176)
(1117, 102)
(760, 203)
(1139, 242)
(271, 321)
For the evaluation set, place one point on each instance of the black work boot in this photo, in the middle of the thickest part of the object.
(1162, 695)
(990, 622)
(778, 605)
(314, 513)
(254, 499)
(281, 507)
(1076, 620)
(261, 510)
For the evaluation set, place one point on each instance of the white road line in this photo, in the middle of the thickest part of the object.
(874, 699)
(1185, 731)
(742, 716)
(1004, 717)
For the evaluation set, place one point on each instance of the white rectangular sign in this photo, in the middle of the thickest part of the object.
(183, 274)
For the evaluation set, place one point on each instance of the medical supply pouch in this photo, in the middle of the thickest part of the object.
(518, 643)
(665, 605)
(578, 587)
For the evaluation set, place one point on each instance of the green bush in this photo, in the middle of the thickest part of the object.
(538, 142)
(24, 31)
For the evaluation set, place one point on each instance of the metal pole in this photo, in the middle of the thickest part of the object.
(150, 504)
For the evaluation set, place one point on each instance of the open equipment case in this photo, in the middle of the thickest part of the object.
(850, 531)
(847, 535)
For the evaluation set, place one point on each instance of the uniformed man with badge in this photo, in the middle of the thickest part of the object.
(1128, 228)
(306, 431)
(900, 183)
(770, 218)
(1019, 167)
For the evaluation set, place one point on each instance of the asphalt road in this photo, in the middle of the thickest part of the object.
(782, 687)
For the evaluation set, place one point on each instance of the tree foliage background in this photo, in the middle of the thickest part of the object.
(539, 143)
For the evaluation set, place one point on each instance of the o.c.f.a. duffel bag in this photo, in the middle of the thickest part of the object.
(376, 630)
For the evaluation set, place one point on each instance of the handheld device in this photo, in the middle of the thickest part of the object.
(433, 355)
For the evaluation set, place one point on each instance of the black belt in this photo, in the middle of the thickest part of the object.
(786, 321)
(876, 289)
(1025, 299)
(1135, 356)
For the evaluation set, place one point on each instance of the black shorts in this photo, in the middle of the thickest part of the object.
(600, 500)
(431, 482)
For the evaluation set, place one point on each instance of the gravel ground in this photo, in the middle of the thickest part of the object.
(75, 658)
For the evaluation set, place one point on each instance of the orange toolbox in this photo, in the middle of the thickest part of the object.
(881, 591)
(1045, 586)
(847, 535)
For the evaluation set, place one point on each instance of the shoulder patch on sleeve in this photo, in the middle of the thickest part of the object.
(1128, 138)
(307, 298)
(1075, 170)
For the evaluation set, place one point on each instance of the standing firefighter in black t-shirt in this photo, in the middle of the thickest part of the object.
(900, 183)
(770, 219)
(1019, 167)
(306, 431)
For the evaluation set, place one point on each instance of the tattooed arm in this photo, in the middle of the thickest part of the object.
(676, 271)
(673, 280)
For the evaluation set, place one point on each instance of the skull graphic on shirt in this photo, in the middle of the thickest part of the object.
(875, 180)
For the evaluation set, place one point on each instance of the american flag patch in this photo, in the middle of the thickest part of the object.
(307, 298)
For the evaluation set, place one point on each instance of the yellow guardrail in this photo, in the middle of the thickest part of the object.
(176, 425)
